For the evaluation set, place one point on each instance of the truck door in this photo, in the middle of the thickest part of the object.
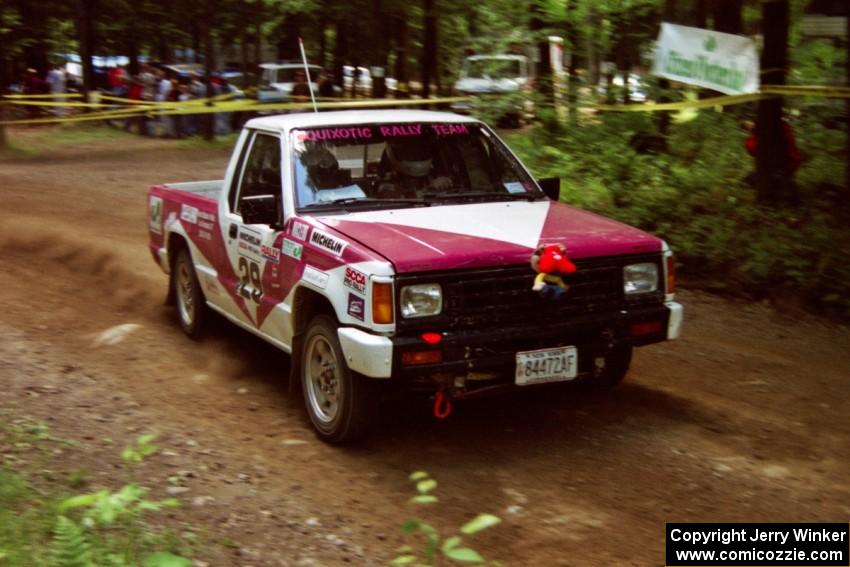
(255, 283)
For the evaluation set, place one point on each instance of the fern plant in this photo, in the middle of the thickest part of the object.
(71, 547)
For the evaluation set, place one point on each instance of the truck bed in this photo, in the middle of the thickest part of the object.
(208, 189)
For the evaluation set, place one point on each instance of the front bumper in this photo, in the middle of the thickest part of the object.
(490, 354)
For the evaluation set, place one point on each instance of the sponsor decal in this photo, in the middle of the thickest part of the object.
(189, 214)
(249, 244)
(206, 225)
(315, 277)
(155, 219)
(355, 279)
(449, 129)
(401, 130)
(292, 249)
(327, 242)
(299, 230)
(270, 253)
(356, 307)
(336, 134)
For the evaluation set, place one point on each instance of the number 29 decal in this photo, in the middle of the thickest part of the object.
(250, 285)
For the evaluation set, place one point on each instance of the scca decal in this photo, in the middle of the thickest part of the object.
(355, 279)
(327, 242)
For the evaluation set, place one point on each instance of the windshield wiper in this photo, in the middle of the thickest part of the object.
(483, 195)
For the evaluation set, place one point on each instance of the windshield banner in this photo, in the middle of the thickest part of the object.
(719, 61)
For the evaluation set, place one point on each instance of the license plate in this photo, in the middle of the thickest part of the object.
(547, 365)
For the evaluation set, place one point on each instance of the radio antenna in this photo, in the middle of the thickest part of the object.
(307, 70)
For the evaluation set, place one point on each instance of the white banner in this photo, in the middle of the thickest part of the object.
(714, 60)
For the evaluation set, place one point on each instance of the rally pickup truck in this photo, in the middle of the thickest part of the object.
(403, 247)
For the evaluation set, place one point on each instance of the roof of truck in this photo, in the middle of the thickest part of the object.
(351, 117)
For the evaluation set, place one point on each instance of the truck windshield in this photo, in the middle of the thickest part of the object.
(375, 165)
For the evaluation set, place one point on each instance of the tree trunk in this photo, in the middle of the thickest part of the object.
(209, 65)
(773, 180)
(4, 80)
(727, 16)
(429, 46)
(85, 37)
(340, 49)
(544, 65)
(258, 43)
(663, 119)
(572, 69)
(847, 112)
(323, 40)
(401, 55)
(701, 14)
(594, 22)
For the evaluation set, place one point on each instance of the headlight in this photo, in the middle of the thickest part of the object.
(640, 278)
(421, 300)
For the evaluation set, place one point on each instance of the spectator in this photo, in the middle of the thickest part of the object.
(56, 83)
(135, 92)
(148, 83)
(326, 85)
(301, 89)
(162, 93)
(792, 153)
(118, 81)
(33, 85)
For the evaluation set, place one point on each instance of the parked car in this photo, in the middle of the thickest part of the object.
(364, 80)
(277, 80)
(495, 75)
(398, 247)
(637, 90)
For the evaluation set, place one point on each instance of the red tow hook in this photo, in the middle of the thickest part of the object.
(442, 405)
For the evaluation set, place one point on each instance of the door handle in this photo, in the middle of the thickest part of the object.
(232, 231)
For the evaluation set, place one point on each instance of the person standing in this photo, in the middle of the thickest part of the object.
(56, 83)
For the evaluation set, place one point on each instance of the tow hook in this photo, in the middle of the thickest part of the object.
(442, 405)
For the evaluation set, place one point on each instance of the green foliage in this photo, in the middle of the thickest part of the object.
(696, 196)
(105, 529)
(71, 548)
(450, 548)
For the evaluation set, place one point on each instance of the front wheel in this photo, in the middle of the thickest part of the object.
(341, 404)
(191, 306)
(617, 364)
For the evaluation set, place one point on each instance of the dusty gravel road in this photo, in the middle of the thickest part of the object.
(744, 419)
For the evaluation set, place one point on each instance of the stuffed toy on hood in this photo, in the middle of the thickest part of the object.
(551, 263)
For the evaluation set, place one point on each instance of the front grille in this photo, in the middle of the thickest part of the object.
(503, 296)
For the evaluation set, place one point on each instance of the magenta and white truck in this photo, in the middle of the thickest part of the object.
(394, 247)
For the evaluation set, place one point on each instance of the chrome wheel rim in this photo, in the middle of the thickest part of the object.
(185, 294)
(322, 379)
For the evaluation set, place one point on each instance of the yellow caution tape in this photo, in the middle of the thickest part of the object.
(660, 106)
(26, 96)
(225, 103)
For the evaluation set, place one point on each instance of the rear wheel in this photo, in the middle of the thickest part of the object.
(341, 404)
(191, 306)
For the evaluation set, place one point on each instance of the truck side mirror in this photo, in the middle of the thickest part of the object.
(260, 209)
(551, 187)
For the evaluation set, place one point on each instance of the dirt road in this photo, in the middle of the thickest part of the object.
(743, 419)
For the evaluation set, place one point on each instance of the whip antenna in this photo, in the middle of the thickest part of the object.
(307, 70)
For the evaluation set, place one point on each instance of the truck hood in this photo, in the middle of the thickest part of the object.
(486, 234)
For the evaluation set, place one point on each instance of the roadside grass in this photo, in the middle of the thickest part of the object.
(46, 522)
(31, 143)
